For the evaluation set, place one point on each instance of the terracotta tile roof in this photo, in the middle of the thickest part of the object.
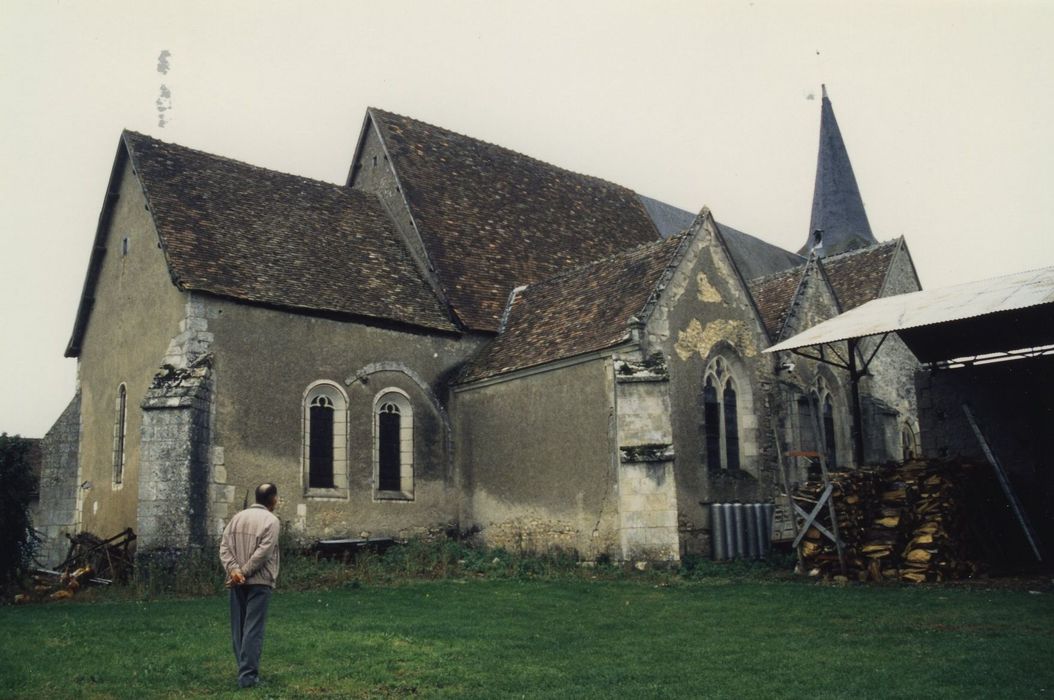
(773, 296)
(261, 236)
(857, 276)
(579, 311)
(492, 219)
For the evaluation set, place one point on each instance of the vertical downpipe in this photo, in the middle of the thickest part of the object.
(718, 548)
(750, 515)
(740, 530)
(730, 532)
(765, 512)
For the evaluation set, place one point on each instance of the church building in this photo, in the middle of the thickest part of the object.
(458, 338)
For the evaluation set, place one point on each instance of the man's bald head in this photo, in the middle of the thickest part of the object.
(266, 494)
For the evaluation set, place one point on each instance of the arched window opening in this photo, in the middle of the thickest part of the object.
(388, 439)
(722, 402)
(807, 425)
(320, 471)
(393, 446)
(712, 425)
(325, 437)
(830, 446)
(119, 429)
(731, 427)
(907, 441)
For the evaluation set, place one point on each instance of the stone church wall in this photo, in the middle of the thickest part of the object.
(647, 485)
(538, 460)
(891, 407)
(57, 509)
(706, 312)
(798, 428)
(136, 312)
(264, 362)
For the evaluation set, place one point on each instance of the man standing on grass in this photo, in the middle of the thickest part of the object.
(249, 554)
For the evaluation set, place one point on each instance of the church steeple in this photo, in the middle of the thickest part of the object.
(839, 222)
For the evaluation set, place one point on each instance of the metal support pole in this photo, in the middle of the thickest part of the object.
(858, 413)
(1004, 482)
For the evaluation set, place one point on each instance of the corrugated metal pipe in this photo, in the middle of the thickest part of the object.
(740, 530)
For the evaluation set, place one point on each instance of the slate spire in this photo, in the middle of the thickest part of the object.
(837, 209)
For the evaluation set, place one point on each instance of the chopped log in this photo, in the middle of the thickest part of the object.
(912, 522)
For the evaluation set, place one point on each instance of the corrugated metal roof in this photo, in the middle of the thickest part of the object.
(1021, 290)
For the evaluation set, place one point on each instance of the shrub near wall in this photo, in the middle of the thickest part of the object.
(16, 487)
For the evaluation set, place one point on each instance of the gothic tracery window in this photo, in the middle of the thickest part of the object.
(721, 417)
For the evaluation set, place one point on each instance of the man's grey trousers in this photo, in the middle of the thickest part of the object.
(248, 617)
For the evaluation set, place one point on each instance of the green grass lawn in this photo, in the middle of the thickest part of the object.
(550, 639)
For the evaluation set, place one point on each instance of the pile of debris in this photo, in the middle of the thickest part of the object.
(90, 560)
(910, 522)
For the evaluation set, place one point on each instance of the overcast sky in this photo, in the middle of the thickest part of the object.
(946, 109)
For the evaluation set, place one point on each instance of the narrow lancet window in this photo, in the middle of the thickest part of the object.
(120, 423)
(830, 446)
(321, 451)
(712, 425)
(388, 447)
(731, 428)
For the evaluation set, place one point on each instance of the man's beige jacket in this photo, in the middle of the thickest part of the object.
(250, 543)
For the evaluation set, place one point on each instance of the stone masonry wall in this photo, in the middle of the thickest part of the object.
(646, 484)
(174, 469)
(58, 483)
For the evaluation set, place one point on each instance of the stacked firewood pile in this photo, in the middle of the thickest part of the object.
(908, 522)
(91, 560)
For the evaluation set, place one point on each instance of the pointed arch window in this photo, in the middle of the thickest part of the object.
(120, 425)
(712, 424)
(830, 444)
(820, 420)
(393, 446)
(731, 419)
(907, 441)
(721, 419)
(325, 449)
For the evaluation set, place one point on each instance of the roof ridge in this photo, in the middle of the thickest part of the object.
(856, 251)
(766, 278)
(235, 161)
(506, 149)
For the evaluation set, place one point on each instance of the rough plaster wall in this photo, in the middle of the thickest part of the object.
(537, 460)
(264, 361)
(57, 509)
(137, 311)
(1013, 403)
(706, 309)
(646, 483)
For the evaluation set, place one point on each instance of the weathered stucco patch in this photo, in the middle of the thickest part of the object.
(695, 338)
(707, 291)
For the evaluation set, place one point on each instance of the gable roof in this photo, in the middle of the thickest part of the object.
(858, 276)
(774, 295)
(244, 232)
(753, 256)
(491, 218)
(581, 310)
